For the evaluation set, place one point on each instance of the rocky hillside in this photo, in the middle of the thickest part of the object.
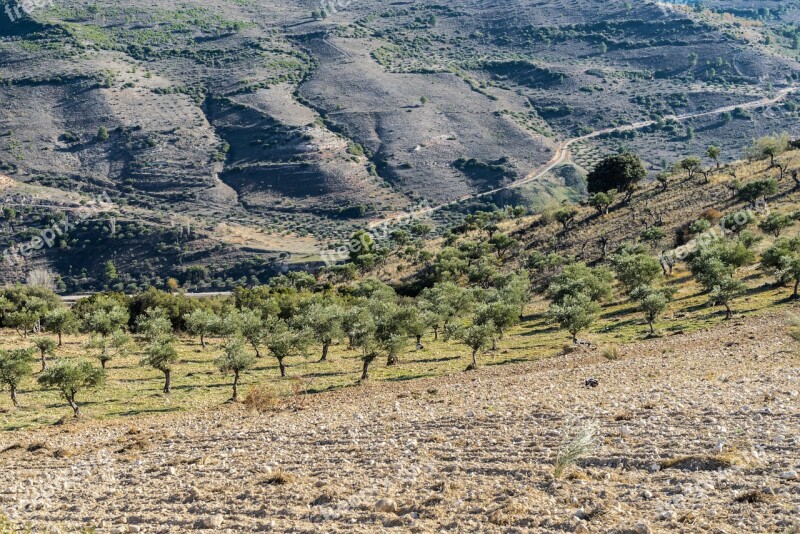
(274, 129)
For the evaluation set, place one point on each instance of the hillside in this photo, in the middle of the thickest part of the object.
(273, 132)
(696, 432)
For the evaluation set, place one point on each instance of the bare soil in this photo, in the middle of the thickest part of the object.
(697, 432)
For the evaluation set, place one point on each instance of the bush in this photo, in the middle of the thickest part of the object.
(262, 399)
(758, 189)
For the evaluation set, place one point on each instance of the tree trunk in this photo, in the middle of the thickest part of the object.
(167, 381)
(325, 347)
(728, 312)
(203, 340)
(474, 364)
(14, 400)
(365, 370)
(258, 352)
(103, 363)
(436, 333)
(494, 344)
(44, 362)
(283, 367)
(74, 405)
(391, 360)
(419, 340)
(235, 397)
(796, 288)
(59, 339)
(652, 331)
(574, 338)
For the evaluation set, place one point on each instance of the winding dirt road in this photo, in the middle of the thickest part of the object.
(562, 153)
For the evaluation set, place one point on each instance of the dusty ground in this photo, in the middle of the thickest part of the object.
(698, 433)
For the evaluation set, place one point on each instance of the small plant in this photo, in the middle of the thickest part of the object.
(575, 446)
(611, 353)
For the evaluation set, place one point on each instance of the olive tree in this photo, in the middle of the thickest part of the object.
(109, 347)
(713, 152)
(652, 301)
(634, 267)
(15, 366)
(71, 377)
(153, 324)
(202, 323)
(105, 316)
(391, 331)
(602, 201)
(252, 329)
(325, 322)
(579, 278)
(714, 266)
(284, 341)
(501, 315)
(691, 165)
(60, 321)
(361, 331)
(447, 301)
(770, 146)
(420, 321)
(46, 346)
(783, 260)
(620, 172)
(574, 313)
(161, 355)
(235, 359)
(775, 223)
(477, 337)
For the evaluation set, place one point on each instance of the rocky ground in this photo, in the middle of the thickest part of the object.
(696, 432)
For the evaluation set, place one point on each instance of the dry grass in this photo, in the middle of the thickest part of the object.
(280, 477)
(262, 399)
(611, 353)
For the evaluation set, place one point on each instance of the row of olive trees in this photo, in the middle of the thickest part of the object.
(281, 322)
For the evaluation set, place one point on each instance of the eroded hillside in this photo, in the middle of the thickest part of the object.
(273, 131)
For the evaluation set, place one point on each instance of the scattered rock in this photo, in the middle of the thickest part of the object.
(387, 506)
(215, 521)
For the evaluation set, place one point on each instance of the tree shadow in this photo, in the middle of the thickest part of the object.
(128, 413)
(436, 360)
